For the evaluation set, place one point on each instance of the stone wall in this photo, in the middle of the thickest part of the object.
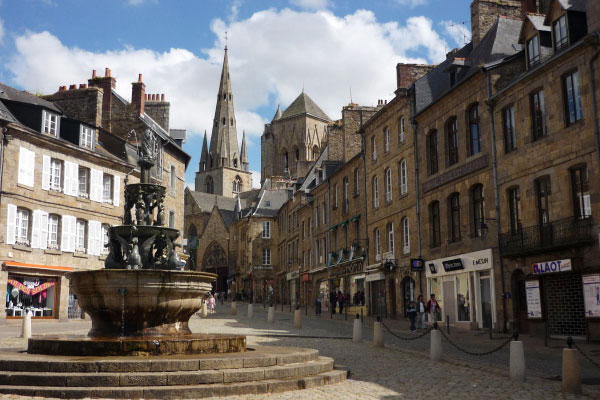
(84, 104)
(592, 8)
(406, 74)
(159, 111)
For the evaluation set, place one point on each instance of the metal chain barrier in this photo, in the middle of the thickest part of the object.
(476, 353)
(572, 344)
(404, 338)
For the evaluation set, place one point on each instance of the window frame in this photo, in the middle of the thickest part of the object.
(110, 179)
(435, 239)
(86, 134)
(373, 148)
(86, 172)
(50, 127)
(560, 42)
(80, 237)
(454, 228)
(266, 256)
(389, 195)
(56, 174)
(537, 109)
(580, 190)
(452, 142)
(432, 152)
(575, 115)
(53, 221)
(542, 195)
(478, 209)
(514, 209)
(22, 222)
(474, 137)
(391, 239)
(403, 172)
(405, 235)
(377, 243)
(401, 130)
(356, 182)
(266, 230)
(509, 133)
(386, 140)
(533, 44)
(375, 192)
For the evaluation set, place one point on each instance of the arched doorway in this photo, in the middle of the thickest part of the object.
(519, 301)
(408, 293)
(215, 261)
(192, 246)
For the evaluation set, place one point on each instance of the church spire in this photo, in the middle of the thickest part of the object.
(244, 153)
(204, 155)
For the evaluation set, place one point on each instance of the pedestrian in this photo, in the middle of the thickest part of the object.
(318, 307)
(340, 299)
(362, 298)
(332, 300)
(211, 304)
(412, 315)
(434, 309)
(421, 312)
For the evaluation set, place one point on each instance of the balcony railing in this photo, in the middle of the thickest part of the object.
(567, 232)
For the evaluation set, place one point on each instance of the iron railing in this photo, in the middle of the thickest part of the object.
(566, 232)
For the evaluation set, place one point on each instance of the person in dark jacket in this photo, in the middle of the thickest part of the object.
(412, 315)
(340, 299)
(332, 300)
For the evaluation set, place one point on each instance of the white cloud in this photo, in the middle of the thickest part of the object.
(459, 32)
(412, 3)
(255, 179)
(311, 4)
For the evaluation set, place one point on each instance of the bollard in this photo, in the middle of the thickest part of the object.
(517, 361)
(251, 310)
(378, 333)
(435, 347)
(204, 312)
(271, 315)
(233, 308)
(571, 371)
(298, 319)
(26, 327)
(357, 330)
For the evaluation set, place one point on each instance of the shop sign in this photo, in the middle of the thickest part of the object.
(453, 265)
(551, 266)
(534, 304)
(292, 275)
(432, 268)
(416, 264)
(350, 268)
(591, 295)
(262, 267)
(481, 262)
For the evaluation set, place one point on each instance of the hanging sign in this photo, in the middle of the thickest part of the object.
(534, 304)
(591, 295)
(416, 264)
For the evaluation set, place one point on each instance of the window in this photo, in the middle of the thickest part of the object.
(52, 242)
(401, 136)
(50, 123)
(452, 137)
(454, 217)
(375, 192)
(171, 219)
(173, 179)
(403, 177)
(105, 238)
(572, 95)
(346, 194)
(374, 148)
(80, 236)
(86, 137)
(386, 133)
(514, 207)
(508, 123)
(266, 257)
(22, 227)
(335, 196)
(84, 182)
(390, 230)
(107, 188)
(478, 209)
(405, 236)
(377, 244)
(559, 32)
(474, 133)
(266, 230)
(542, 192)
(286, 162)
(432, 152)
(55, 175)
(356, 182)
(434, 224)
(210, 185)
(533, 51)
(582, 206)
(237, 185)
(538, 114)
(388, 185)
(324, 214)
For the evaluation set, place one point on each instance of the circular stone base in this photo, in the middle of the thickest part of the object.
(136, 346)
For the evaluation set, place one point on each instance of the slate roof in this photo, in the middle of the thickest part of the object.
(270, 201)
(310, 178)
(304, 105)
(22, 96)
(206, 201)
(5, 114)
(499, 43)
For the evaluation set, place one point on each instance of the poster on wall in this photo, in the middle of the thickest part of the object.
(534, 305)
(591, 295)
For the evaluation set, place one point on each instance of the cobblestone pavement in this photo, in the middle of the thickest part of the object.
(398, 371)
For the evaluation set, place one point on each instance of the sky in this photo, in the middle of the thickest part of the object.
(330, 49)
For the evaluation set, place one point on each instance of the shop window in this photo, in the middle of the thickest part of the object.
(463, 298)
(30, 293)
(435, 239)
(582, 206)
(454, 217)
(452, 141)
(477, 205)
(474, 133)
(432, 152)
(538, 114)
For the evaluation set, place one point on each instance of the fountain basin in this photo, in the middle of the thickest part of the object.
(142, 302)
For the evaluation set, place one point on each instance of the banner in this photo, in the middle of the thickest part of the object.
(31, 292)
(534, 304)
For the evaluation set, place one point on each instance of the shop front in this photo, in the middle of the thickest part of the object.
(263, 283)
(348, 277)
(377, 293)
(293, 284)
(464, 288)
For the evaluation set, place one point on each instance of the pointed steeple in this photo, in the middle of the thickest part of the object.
(244, 153)
(204, 155)
(223, 141)
(277, 113)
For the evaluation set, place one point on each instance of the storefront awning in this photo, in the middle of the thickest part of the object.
(355, 218)
(37, 266)
(333, 228)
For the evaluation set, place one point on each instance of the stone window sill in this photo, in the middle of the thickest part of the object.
(20, 185)
(80, 255)
(83, 200)
(55, 193)
(54, 252)
(22, 247)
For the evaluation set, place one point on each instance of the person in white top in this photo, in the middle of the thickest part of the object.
(421, 312)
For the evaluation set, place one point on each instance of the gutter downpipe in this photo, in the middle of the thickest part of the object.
(596, 35)
(415, 126)
(3, 142)
(490, 104)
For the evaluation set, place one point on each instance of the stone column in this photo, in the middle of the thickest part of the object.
(3, 283)
(62, 308)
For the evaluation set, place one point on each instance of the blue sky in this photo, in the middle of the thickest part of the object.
(277, 47)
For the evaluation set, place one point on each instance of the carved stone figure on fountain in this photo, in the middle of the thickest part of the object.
(160, 215)
(134, 260)
(146, 252)
(140, 209)
(127, 206)
(150, 206)
(147, 147)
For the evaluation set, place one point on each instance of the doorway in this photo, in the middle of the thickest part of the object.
(485, 289)
(408, 293)
(520, 301)
(449, 301)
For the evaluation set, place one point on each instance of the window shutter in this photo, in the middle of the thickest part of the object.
(74, 190)
(99, 241)
(94, 195)
(35, 230)
(587, 205)
(43, 230)
(11, 223)
(100, 186)
(25, 176)
(116, 190)
(73, 235)
(68, 176)
(91, 243)
(31, 169)
(65, 233)
(46, 172)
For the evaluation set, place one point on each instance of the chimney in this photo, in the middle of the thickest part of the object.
(528, 6)
(93, 73)
(71, 87)
(138, 95)
(407, 74)
(162, 97)
(107, 84)
(61, 88)
(484, 14)
(83, 86)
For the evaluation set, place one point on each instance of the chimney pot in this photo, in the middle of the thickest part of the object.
(72, 87)
(106, 72)
(154, 97)
(59, 88)
(162, 97)
(139, 77)
(93, 73)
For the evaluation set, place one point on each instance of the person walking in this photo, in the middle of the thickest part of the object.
(332, 300)
(434, 309)
(340, 299)
(421, 312)
(412, 315)
(211, 304)
(318, 306)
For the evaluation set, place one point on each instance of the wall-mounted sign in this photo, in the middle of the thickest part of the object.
(348, 268)
(453, 265)
(591, 295)
(305, 278)
(416, 264)
(551, 266)
(292, 275)
(432, 268)
(534, 304)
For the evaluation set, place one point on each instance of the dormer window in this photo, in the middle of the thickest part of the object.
(533, 51)
(559, 31)
(50, 123)
(86, 137)
(453, 77)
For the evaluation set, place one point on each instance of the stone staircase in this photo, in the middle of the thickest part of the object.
(260, 370)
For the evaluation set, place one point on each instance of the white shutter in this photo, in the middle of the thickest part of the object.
(68, 176)
(100, 186)
(31, 169)
(116, 190)
(25, 176)
(99, 241)
(35, 230)
(94, 185)
(43, 230)
(65, 233)
(73, 235)
(75, 179)
(46, 172)
(91, 243)
(11, 223)
(587, 205)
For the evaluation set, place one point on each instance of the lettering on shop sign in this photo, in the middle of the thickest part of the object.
(432, 268)
(453, 265)
(456, 173)
(348, 269)
(551, 266)
(480, 261)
